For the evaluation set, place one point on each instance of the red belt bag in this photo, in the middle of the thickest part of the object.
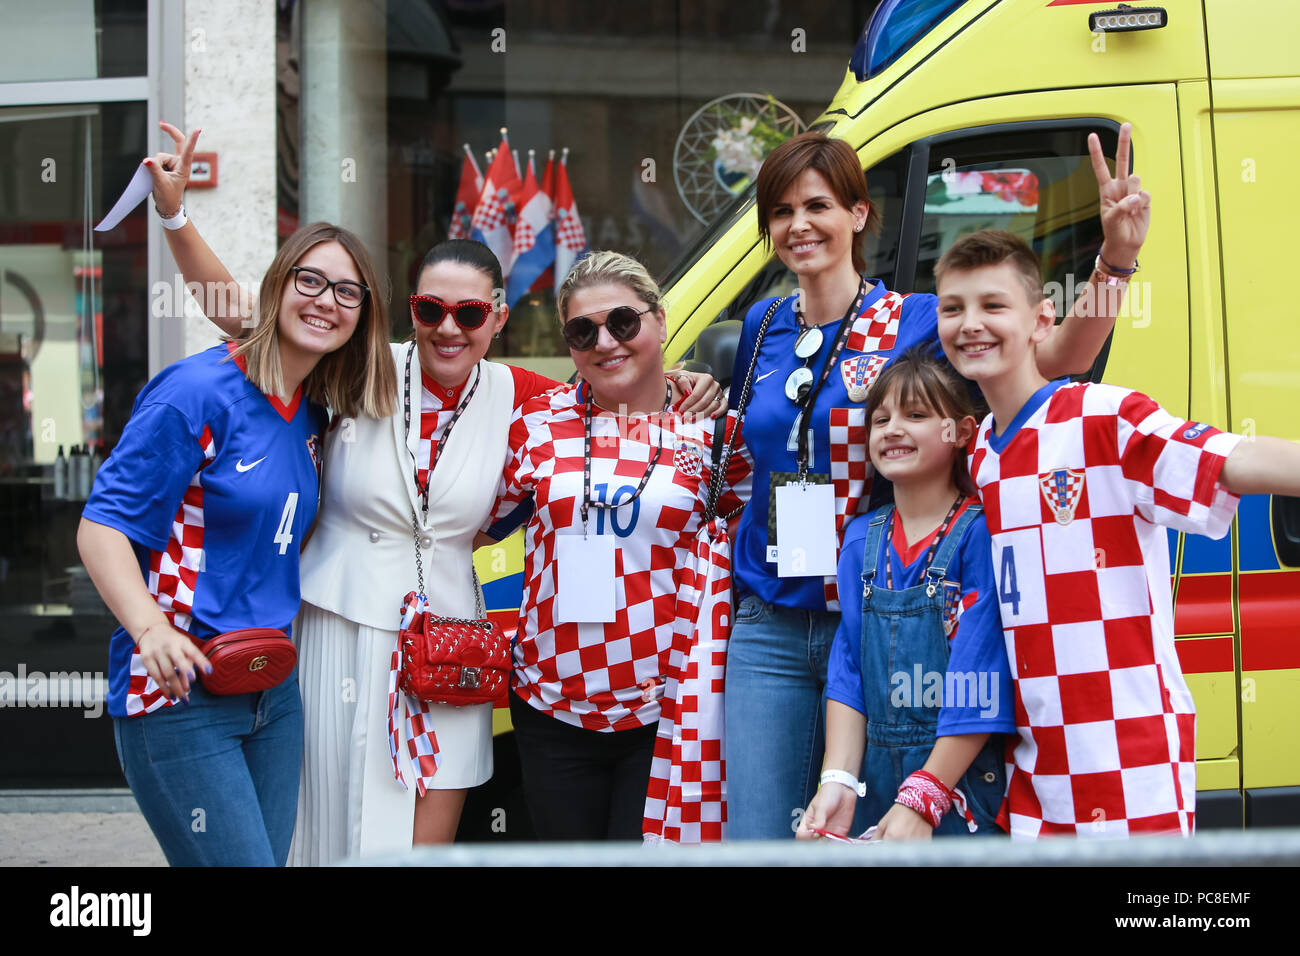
(447, 660)
(247, 660)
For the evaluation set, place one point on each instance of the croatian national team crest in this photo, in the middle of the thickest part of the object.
(688, 460)
(313, 449)
(859, 373)
(1062, 489)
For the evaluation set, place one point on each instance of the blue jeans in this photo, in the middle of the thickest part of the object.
(217, 778)
(776, 681)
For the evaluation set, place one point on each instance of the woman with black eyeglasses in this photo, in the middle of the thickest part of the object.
(619, 476)
(453, 408)
(193, 530)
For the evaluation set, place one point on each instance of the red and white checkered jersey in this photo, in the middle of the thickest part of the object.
(438, 404)
(1075, 492)
(596, 675)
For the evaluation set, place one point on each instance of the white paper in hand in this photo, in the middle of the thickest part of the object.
(140, 186)
(584, 580)
(805, 530)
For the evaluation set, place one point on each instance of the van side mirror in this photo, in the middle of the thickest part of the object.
(716, 348)
(1285, 513)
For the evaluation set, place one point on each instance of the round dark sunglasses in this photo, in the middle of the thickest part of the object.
(430, 310)
(624, 323)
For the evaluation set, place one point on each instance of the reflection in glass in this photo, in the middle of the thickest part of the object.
(73, 354)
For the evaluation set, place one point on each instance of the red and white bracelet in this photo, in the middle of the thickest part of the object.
(926, 794)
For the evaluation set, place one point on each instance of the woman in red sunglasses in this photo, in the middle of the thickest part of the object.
(435, 463)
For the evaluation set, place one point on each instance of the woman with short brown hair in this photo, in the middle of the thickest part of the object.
(810, 366)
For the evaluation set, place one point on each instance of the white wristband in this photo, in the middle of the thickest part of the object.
(176, 221)
(846, 778)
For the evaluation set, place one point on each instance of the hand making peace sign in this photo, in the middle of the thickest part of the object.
(1125, 205)
(171, 171)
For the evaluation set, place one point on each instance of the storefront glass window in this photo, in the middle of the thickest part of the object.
(73, 355)
(658, 104)
(72, 39)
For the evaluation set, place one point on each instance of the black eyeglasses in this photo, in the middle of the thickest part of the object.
(430, 310)
(624, 323)
(309, 282)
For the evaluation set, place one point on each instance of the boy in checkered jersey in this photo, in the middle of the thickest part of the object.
(1076, 482)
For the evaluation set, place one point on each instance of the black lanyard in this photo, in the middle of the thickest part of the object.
(806, 407)
(934, 545)
(423, 488)
(586, 459)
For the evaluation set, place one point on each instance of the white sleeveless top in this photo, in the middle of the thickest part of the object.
(360, 561)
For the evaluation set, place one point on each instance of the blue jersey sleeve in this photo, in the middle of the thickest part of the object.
(844, 669)
(139, 489)
(977, 662)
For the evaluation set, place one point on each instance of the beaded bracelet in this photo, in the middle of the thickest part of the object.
(1116, 270)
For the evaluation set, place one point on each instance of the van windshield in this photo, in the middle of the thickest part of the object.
(725, 220)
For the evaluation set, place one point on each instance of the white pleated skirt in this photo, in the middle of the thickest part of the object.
(349, 802)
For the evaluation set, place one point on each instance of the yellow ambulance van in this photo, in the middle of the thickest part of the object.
(975, 114)
(971, 114)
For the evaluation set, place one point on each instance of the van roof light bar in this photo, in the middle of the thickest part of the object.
(1127, 19)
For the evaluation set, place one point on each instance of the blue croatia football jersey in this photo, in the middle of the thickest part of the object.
(972, 625)
(215, 485)
(887, 325)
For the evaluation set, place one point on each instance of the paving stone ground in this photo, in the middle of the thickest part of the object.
(77, 839)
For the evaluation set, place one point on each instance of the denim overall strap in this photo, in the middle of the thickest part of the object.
(871, 549)
(904, 656)
(938, 569)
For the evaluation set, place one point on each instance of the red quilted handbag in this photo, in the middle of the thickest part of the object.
(247, 660)
(447, 660)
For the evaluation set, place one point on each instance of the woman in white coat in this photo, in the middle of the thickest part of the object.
(360, 561)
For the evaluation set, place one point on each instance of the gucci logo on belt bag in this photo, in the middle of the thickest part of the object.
(247, 660)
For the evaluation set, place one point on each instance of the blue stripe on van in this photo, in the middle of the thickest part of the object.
(1202, 555)
(504, 594)
(1255, 535)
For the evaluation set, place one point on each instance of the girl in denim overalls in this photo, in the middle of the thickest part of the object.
(918, 672)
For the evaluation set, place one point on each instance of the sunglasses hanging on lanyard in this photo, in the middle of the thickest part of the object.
(801, 506)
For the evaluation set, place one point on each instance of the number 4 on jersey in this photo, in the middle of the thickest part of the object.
(283, 534)
(1008, 592)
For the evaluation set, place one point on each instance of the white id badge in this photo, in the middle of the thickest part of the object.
(584, 585)
(805, 530)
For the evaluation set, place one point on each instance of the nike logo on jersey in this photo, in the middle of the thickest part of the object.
(240, 466)
(764, 375)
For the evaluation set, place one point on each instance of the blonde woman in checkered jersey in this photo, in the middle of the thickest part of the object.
(618, 478)
(360, 561)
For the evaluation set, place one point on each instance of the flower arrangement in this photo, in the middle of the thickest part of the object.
(739, 148)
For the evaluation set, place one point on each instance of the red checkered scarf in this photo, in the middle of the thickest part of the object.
(873, 332)
(686, 801)
(421, 742)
